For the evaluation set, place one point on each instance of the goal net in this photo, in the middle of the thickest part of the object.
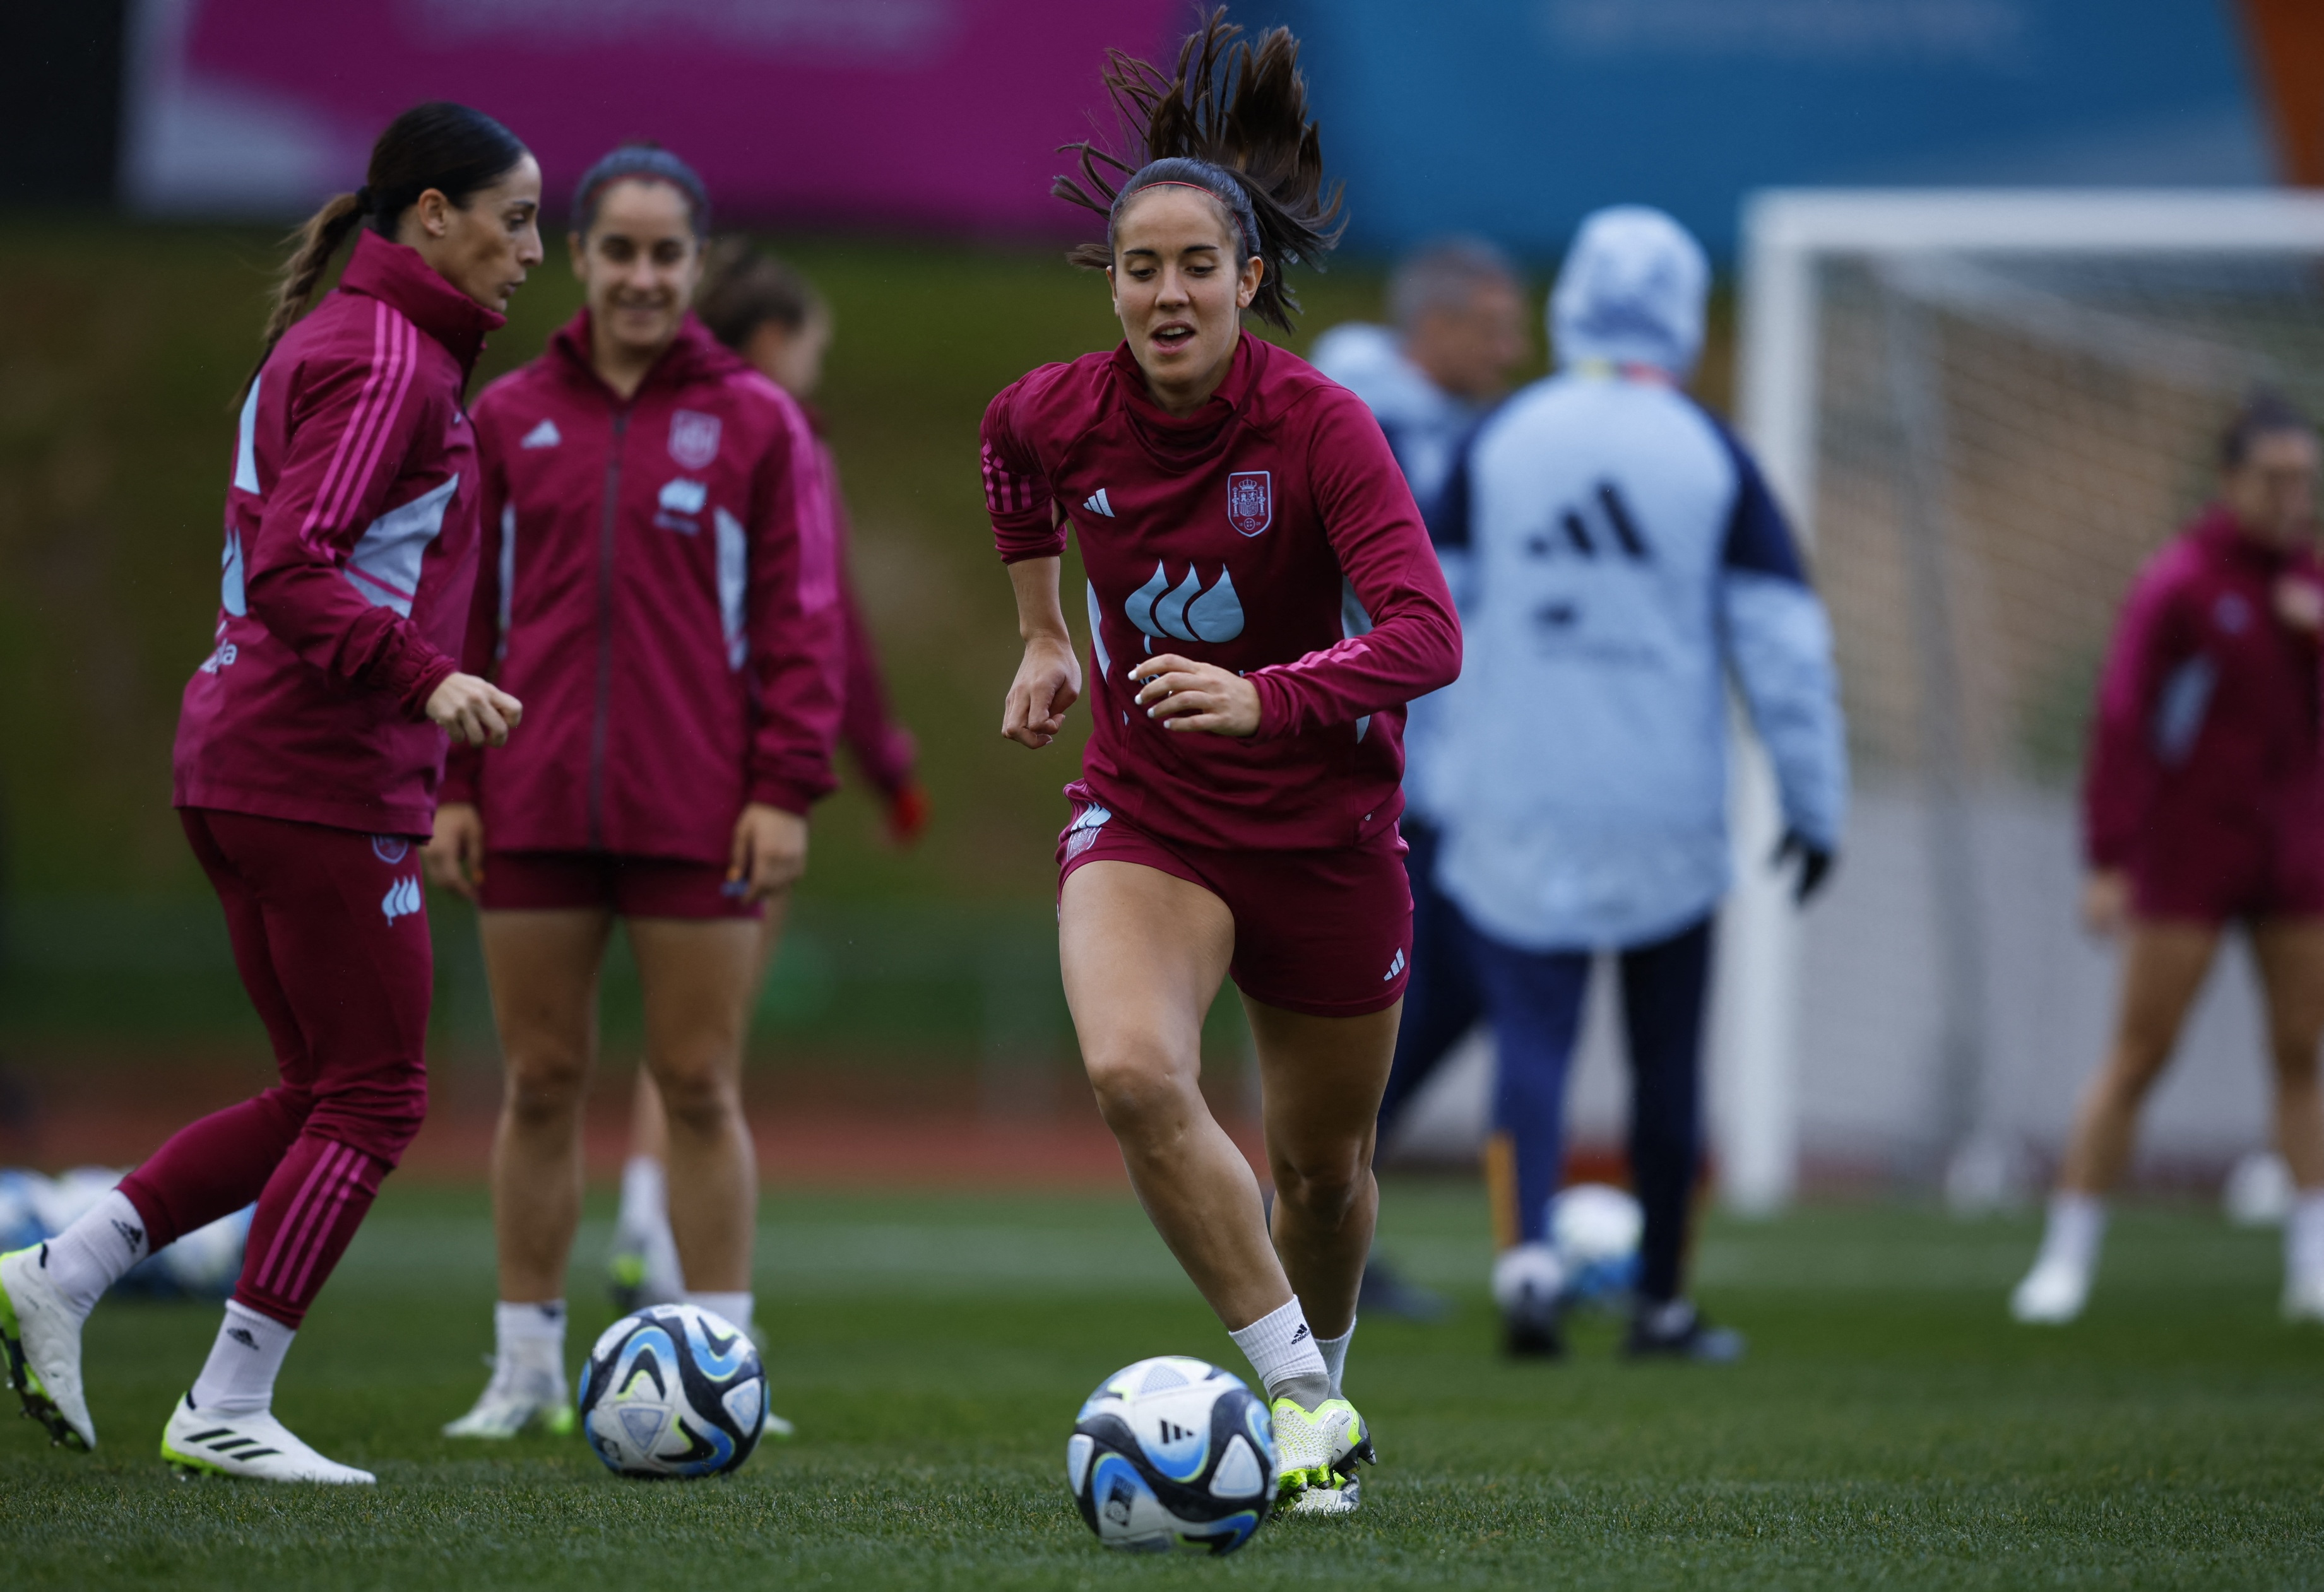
(1985, 411)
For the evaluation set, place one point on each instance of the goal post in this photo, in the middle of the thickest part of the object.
(1983, 410)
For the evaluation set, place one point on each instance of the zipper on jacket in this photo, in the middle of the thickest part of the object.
(599, 727)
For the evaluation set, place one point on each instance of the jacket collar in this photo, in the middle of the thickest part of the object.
(1183, 437)
(692, 355)
(2219, 531)
(396, 276)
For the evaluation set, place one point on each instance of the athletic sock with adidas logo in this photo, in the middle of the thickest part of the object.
(239, 1378)
(1281, 1347)
(96, 1251)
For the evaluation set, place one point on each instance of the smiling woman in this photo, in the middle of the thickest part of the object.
(1237, 810)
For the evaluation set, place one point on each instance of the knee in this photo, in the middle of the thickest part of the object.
(545, 1084)
(704, 1101)
(1322, 1187)
(1140, 1091)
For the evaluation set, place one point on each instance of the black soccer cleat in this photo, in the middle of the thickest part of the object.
(1675, 1331)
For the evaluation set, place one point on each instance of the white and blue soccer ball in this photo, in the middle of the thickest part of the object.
(1172, 1453)
(1595, 1229)
(673, 1391)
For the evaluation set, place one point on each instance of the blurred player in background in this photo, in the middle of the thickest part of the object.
(2203, 806)
(1620, 557)
(1460, 334)
(1237, 810)
(308, 753)
(660, 575)
(771, 315)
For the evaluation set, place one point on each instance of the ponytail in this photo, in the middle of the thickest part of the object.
(1232, 120)
(439, 145)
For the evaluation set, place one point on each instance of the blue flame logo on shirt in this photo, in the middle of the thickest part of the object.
(1186, 612)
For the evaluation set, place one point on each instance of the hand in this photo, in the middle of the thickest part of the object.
(453, 858)
(474, 711)
(2300, 603)
(2106, 902)
(1815, 864)
(1189, 695)
(1047, 683)
(907, 814)
(769, 853)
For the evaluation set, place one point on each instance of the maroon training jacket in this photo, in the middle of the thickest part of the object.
(350, 551)
(661, 585)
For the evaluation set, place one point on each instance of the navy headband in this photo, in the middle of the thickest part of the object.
(640, 162)
(1186, 171)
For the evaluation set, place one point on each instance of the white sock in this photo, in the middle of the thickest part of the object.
(645, 1195)
(239, 1378)
(529, 1338)
(1334, 1352)
(2077, 1228)
(2303, 1237)
(1281, 1348)
(735, 1307)
(97, 1251)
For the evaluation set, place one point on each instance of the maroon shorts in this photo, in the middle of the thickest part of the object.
(2217, 874)
(627, 886)
(1325, 932)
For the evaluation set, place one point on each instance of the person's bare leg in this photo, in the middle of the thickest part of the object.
(649, 1126)
(698, 977)
(2165, 965)
(1322, 1079)
(2289, 952)
(1144, 954)
(542, 967)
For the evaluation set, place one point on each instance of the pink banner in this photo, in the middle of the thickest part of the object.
(921, 113)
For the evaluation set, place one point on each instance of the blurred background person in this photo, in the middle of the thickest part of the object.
(1623, 558)
(773, 316)
(2203, 806)
(660, 575)
(1458, 335)
(310, 746)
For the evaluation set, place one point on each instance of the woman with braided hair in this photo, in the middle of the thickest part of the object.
(1262, 600)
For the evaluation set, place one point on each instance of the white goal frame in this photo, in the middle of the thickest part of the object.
(1787, 234)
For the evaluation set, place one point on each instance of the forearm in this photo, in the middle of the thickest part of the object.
(1040, 611)
(1407, 655)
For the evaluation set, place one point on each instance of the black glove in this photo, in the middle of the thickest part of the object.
(1815, 864)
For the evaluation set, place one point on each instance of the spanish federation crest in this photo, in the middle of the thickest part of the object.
(1250, 501)
(693, 438)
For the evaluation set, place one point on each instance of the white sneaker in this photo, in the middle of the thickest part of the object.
(250, 1448)
(518, 1398)
(2052, 1295)
(2303, 1299)
(1316, 1454)
(39, 1340)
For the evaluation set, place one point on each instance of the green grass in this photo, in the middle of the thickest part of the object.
(1890, 1426)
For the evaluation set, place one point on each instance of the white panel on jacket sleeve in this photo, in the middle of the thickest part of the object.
(245, 452)
(1097, 631)
(733, 580)
(508, 565)
(230, 593)
(384, 566)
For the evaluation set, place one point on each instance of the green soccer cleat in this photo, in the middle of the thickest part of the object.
(1318, 1451)
(517, 1400)
(39, 1341)
(247, 1447)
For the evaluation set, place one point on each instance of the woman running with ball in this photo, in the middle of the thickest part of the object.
(308, 752)
(1263, 601)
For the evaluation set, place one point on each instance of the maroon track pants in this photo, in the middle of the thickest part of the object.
(330, 936)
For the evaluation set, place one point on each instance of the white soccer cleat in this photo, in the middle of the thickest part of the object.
(248, 1448)
(2303, 1299)
(40, 1340)
(2052, 1293)
(518, 1399)
(1316, 1454)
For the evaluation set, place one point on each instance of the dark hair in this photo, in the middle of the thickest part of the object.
(743, 288)
(456, 151)
(1444, 275)
(640, 161)
(1232, 122)
(2266, 413)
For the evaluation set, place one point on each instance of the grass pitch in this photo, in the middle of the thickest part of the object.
(1889, 1427)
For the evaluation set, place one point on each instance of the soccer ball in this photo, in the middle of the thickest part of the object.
(673, 1391)
(1595, 1229)
(1172, 1453)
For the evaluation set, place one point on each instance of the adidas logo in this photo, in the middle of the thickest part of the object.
(1172, 1432)
(130, 1235)
(401, 900)
(1096, 504)
(545, 434)
(1394, 967)
(1301, 1335)
(242, 1335)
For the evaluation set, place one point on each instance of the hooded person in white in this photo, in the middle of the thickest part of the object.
(1624, 561)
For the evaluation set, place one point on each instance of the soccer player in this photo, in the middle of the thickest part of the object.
(660, 581)
(1460, 331)
(1237, 810)
(2203, 806)
(308, 752)
(1623, 558)
(773, 316)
